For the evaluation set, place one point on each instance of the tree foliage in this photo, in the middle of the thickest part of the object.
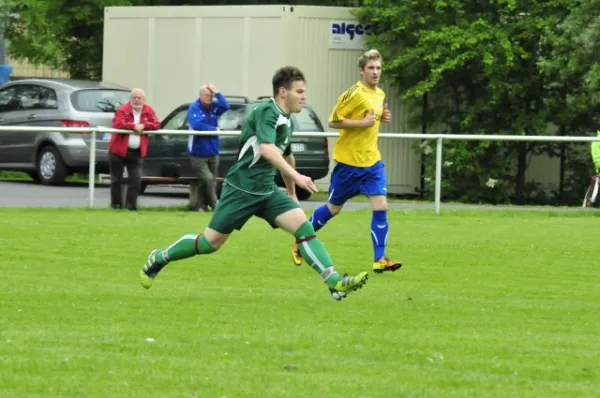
(63, 34)
(68, 34)
(491, 67)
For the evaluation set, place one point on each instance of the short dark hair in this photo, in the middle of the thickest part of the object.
(285, 77)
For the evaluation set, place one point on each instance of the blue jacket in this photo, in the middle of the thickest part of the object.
(201, 119)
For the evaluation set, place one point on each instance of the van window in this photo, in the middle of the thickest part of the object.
(8, 99)
(33, 96)
(99, 100)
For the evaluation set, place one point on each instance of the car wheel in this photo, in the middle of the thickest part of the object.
(302, 194)
(51, 169)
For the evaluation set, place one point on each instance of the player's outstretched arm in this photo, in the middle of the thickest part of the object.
(273, 156)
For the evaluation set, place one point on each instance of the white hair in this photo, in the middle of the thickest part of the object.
(203, 88)
(138, 90)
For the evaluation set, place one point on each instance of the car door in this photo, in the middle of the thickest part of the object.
(38, 106)
(164, 149)
(9, 116)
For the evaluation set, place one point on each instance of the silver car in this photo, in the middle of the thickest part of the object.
(50, 157)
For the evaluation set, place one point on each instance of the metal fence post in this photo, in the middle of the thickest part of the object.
(438, 175)
(92, 172)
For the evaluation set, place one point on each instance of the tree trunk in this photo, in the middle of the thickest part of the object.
(563, 155)
(521, 168)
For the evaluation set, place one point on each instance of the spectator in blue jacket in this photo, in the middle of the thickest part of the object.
(203, 115)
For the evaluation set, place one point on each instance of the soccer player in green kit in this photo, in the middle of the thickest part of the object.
(249, 190)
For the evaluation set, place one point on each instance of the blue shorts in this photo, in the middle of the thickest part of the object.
(349, 181)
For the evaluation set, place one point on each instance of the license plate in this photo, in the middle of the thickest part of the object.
(298, 147)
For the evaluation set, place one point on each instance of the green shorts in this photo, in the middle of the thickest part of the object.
(236, 207)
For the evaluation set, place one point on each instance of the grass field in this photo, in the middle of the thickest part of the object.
(488, 304)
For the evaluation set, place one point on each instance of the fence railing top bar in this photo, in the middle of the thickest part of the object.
(475, 137)
(492, 137)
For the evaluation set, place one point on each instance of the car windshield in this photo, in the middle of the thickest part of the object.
(306, 121)
(177, 121)
(99, 100)
(233, 119)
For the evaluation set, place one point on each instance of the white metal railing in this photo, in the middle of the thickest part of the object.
(438, 137)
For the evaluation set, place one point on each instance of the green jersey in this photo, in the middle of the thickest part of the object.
(266, 123)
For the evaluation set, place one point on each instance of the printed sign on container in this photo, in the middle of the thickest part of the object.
(347, 35)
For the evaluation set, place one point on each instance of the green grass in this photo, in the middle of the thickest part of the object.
(488, 304)
(20, 176)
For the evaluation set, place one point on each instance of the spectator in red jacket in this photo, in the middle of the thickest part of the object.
(128, 150)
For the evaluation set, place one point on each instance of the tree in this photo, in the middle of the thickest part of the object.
(68, 34)
(573, 67)
(64, 34)
(478, 63)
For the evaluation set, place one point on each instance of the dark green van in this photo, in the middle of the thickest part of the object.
(167, 154)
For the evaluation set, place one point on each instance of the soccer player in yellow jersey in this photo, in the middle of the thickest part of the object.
(357, 114)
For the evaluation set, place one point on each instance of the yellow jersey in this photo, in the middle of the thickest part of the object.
(358, 147)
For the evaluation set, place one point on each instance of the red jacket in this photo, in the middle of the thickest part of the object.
(123, 120)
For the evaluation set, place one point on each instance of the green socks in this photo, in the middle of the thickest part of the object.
(311, 248)
(187, 246)
(315, 254)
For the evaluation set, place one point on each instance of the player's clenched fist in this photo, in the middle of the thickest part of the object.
(369, 119)
(386, 116)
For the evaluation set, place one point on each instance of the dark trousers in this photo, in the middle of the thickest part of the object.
(205, 168)
(133, 162)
